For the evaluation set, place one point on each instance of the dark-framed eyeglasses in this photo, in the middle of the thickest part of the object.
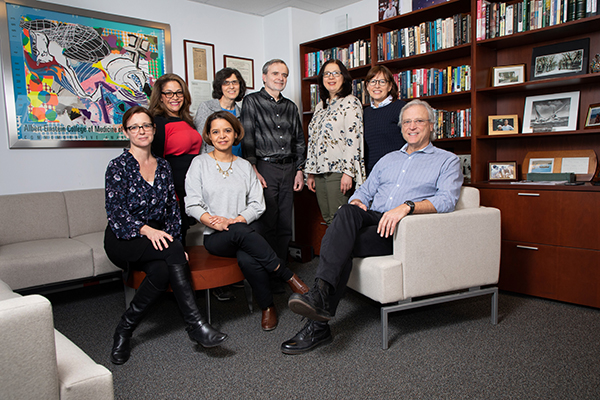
(136, 128)
(170, 94)
(381, 82)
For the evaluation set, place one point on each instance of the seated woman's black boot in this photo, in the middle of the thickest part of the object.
(199, 330)
(145, 295)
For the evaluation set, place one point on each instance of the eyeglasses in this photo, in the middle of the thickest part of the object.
(231, 83)
(419, 122)
(169, 95)
(333, 74)
(136, 128)
(381, 82)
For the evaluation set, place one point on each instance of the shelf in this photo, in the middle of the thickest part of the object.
(538, 135)
(549, 33)
(567, 82)
(442, 10)
(437, 57)
(456, 96)
(339, 39)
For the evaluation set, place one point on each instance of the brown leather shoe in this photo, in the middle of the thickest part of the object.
(269, 319)
(297, 285)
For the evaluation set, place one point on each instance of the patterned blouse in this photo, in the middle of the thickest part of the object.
(335, 139)
(131, 201)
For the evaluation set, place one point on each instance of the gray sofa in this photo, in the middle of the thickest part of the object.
(52, 237)
(38, 362)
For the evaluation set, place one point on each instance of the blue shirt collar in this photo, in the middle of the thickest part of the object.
(385, 102)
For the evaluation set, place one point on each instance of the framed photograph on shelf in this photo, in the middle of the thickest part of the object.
(70, 74)
(502, 170)
(551, 113)
(503, 124)
(560, 59)
(199, 61)
(508, 75)
(541, 165)
(593, 116)
(244, 65)
(388, 9)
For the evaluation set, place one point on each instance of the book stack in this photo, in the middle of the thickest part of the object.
(314, 96)
(423, 82)
(501, 19)
(453, 124)
(423, 38)
(355, 55)
(359, 89)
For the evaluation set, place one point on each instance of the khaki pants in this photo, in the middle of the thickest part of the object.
(329, 195)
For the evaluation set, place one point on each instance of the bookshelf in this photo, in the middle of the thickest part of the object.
(550, 234)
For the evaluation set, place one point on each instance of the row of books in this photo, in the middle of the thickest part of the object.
(501, 19)
(423, 38)
(422, 82)
(359, 89)
(355, 55)
(453, 124)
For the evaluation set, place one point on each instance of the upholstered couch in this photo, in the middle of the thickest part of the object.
(52, 237)
(38, 362)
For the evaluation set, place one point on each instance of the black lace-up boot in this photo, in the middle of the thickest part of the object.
(314, 304)
(314, 333)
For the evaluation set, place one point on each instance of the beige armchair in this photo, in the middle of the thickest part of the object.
(437, 258)
(38, 362)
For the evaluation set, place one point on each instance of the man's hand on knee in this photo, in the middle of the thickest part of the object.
(389, 220)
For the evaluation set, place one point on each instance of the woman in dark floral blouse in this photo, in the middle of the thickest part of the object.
(144, 233)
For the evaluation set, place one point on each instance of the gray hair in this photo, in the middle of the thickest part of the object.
(265, 68)
(430, 114)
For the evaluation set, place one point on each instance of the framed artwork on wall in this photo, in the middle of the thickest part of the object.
(199, 61)
(551, 112)
(70, 74)
(244, 65)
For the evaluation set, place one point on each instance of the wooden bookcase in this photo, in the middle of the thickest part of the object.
(562, 222)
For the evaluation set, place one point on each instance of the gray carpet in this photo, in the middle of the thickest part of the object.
(540, 349)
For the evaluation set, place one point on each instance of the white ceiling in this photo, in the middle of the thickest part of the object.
(266, 7)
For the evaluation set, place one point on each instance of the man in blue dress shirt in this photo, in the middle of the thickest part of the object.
(417, 179)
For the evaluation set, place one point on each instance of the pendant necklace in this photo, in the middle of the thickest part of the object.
(226, 172)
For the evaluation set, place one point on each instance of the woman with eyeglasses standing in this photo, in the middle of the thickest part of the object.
(334, 162)
(177, 139)
(382, 133)
(144, 234)
(229, 87)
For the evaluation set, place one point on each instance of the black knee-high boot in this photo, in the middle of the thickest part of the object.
(145, 295)
(199, 330)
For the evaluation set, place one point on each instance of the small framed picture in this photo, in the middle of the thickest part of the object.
(508, 75)
(551, 112)
(503, 124)
(560, 59)
(593, 116)
(502, 170)
(541, 165)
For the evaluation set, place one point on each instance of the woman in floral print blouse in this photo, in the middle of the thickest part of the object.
(334, 162)
(144, 234)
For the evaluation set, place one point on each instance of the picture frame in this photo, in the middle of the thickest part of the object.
(508, 75)
(199, 60)
(70, 74)
(503, 124)
(560, 59)
(551, 112)
(540, 165)
(244, 65)
(592, 119)
(502, 171)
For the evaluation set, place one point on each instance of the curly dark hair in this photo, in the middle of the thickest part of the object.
(346, 88)
(221, 76)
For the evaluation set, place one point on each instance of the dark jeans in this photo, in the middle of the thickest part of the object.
(276, 222)
(255, 257)
(353, 233)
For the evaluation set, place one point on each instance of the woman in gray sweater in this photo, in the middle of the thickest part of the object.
(224, 194)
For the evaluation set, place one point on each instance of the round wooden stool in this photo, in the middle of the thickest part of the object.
(207, 271)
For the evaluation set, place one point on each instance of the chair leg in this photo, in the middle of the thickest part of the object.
(248, 290)
(384, 329)
(208, 305)
(495, 307)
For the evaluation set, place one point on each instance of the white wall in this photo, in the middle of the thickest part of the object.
(260, 38)
(39, 170)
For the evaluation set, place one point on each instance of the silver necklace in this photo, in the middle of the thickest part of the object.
(226, 172)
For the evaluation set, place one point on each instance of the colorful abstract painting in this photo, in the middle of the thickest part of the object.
(75, 76)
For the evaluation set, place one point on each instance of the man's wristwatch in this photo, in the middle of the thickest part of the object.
(411, 205)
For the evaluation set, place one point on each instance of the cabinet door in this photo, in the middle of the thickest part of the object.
(529, 269)
(527, 216)
(579, 220)
(578, 274)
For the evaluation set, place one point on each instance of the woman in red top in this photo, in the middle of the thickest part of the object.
(176, 139)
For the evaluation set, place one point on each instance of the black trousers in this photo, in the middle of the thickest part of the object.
(276, 222)
(255, 257)
(353, 233)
